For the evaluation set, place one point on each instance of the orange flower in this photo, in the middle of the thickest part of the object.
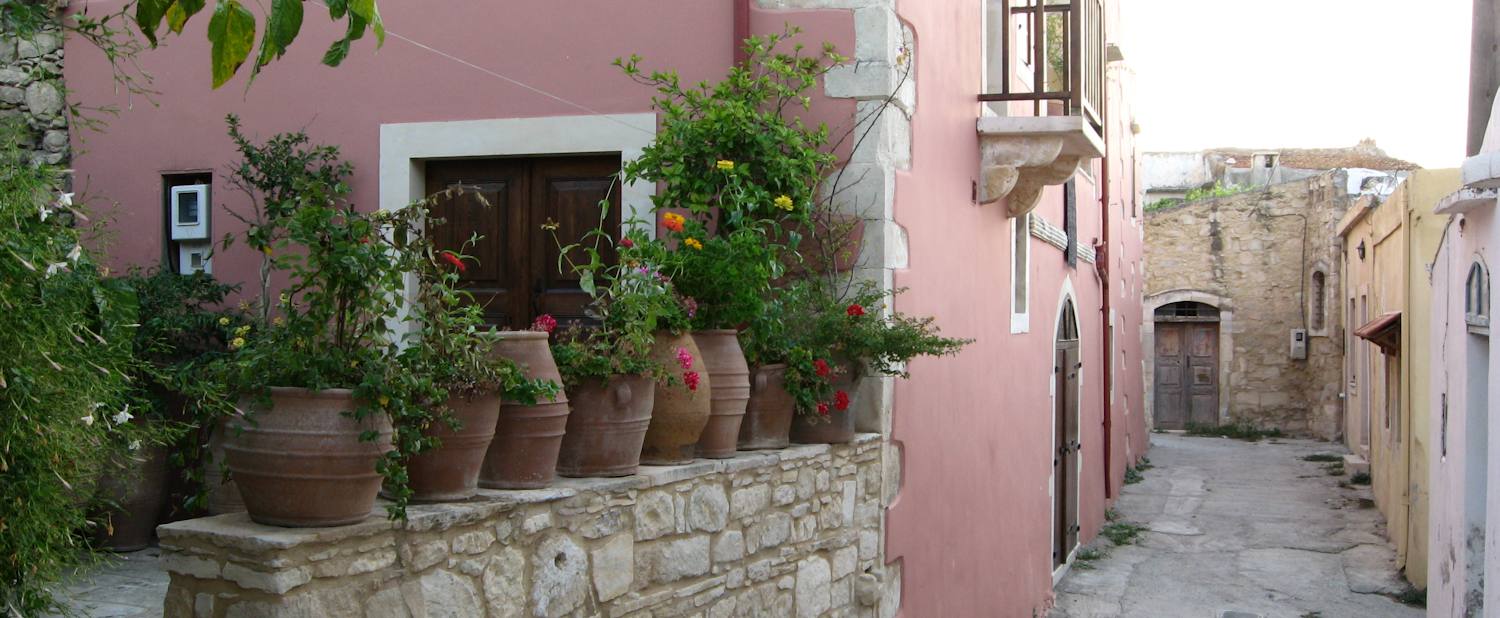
(672, 221)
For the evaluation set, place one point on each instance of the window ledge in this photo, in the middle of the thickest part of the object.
(1465, 200)
(1021, 155)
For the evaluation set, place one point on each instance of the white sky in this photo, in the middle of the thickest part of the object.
(1301, 74)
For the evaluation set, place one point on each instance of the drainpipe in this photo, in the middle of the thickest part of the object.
(741, 30)
(1101, 266)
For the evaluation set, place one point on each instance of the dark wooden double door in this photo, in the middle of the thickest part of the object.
(1187, 374)
(514, 207)
(1066, 439)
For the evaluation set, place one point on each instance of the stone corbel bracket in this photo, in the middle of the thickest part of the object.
(1020, 156)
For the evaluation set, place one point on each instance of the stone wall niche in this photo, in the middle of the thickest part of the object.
(1020, 156)
(790, 533)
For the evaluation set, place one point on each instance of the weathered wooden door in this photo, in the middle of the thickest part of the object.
(1066, 443)
(1187, 375)
(515, 206)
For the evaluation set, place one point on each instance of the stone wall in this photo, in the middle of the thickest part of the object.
(31, 91)
(797, 532)
(1251, 250)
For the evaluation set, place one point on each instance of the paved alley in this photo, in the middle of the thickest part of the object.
(1240, 530)
(131, 586)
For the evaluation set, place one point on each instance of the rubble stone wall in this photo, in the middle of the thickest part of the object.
(31, 91)
(796, 532)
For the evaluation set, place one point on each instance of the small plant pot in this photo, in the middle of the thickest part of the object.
(606, 427)
(523, 453)
(451, 471)
(729, 394)
(301, 463)
(836, 427)
(139, 493)
(768, 413)
(678, 414)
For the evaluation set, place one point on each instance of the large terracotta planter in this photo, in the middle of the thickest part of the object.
(729, 395)
(139, 492)
(223, 495)
(678, 414)
(523, 454)
(301, 462)
(451, 471)
(837, 426)
(768, 413)
(607, 424)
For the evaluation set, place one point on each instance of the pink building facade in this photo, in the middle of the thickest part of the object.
(1021, 232)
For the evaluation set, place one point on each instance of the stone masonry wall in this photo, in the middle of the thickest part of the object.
(31, 91)
(797, 532)
(1250, 249)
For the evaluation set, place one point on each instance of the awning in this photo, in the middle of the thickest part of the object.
(1384, 331)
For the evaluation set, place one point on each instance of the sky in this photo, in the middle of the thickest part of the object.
(1301, 74)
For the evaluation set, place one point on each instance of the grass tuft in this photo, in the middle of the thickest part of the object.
(1323, 458)
(1132, 477)
(1238, 432)
(1360, 478)
(1412, 597)
(1121, 533)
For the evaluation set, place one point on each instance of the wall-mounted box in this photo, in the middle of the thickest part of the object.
(188, 214)
(1299, 344)
(193, 257)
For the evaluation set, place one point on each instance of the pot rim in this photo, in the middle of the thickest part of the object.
(518, 335)
(302, 392)
(717, 331)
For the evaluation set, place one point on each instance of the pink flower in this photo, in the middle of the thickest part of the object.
(690, 378)
(821, 368)
(841, 400)
(855, 310)
(627, 243)
(544, 322)
(692, 306)
(684, 359)
(454, 260)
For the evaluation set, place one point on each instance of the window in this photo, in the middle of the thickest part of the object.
(1477, 298)
(1318, 307)
(1046, 51)
(1070, 222)
(1185, 311)
(1020, 277)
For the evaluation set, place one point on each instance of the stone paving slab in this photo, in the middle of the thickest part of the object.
(1238, 529)
(130, 586)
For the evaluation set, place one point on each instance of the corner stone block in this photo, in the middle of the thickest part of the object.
(749, 501)
(278, 582)
(559, 577)
(812, 593)
(614, 567)
(654, 515)
(708, 509)
(668, 561)
(503, 587)
(200, 568)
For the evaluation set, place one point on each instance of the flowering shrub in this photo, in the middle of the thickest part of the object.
(725, 276)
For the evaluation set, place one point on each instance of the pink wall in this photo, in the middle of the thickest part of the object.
(972, 522)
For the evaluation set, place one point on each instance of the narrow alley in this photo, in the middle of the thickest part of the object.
(1234, 529)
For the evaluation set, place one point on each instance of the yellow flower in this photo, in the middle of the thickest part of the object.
(283, 299)
(784, 203)
(278, 321)
(384, 400)
(693, 242)
(726, 165)
(223, 321)
(237, 343)
(354, 363)
(240, 332)
(266, 249)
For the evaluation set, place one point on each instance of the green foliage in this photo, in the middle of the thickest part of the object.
(66, 337)
(1193, 195)
(883, 344)
(1360, 478)
(790, 331)
(1244, 432)
(1086, 557)
(1412, 597)
(1121, 533)
(1323, 458)
(1133, 476)
(726, 276)
(728, 148)
(231, 29)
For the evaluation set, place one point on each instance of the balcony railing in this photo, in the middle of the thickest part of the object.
(1067, 55)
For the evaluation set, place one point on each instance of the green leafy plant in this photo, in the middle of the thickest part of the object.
(66, 342)
(1244, 432)
(726, 276)
(1360, 478)
(882, 345)
(1121, 533)
(1323, 458)
(787, 331)
(1193, 195)
(1086, 557)
(1133, 476)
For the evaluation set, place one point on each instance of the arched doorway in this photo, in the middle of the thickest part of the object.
(1187, 365)
(1066, 370)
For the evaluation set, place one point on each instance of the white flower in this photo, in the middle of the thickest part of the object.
(87, 420)
(65, 199)
(124, 416)
(56, 266)
(135, 445)
(97, 405)
(44, 211)
(77, 251)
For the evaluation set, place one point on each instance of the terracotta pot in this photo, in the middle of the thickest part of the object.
(607, 424)
(139, 492)
(451, 471)
(301, 462)
(768, 414)
(838, 425)
(678, 414)
(523, 454)
(731, 391)
(223, 495)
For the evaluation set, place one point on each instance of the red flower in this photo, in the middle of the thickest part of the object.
(544, 322)
(841, 400)
(821, 368)
(453, 259)
(823, 409)
(690, 378)
(627, 243)
(855, 310)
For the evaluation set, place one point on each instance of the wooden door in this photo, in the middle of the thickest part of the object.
(1187, 377)
(504, 214)
(1066, 424)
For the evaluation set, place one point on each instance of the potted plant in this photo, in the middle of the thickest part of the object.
(611, 371)
(447, 364)
(790, 365)
(523, 453)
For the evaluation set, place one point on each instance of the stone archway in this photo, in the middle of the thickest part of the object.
(1225, 306)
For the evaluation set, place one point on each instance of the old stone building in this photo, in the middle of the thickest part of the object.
(1171, 175)
(1243, 330)
(31, 91)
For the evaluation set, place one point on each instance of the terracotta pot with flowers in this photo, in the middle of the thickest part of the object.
(790, 365)
(523, 454)
(609, 370)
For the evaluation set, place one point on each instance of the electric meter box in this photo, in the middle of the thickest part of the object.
(195, 257)
(188, 216)
(1299, 343)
